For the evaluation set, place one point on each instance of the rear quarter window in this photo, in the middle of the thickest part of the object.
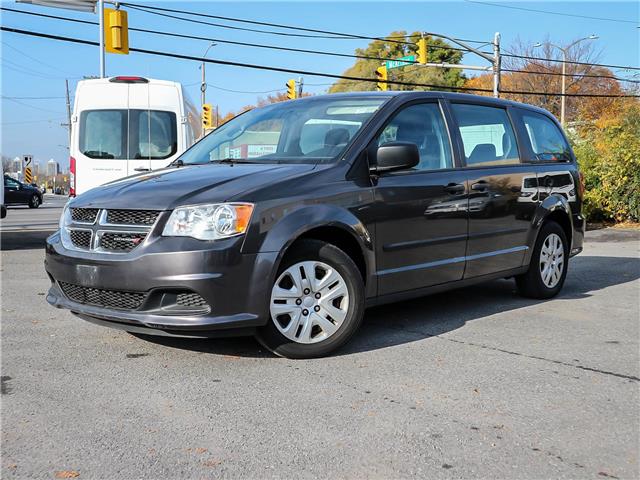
(487, 135)
(546, 140)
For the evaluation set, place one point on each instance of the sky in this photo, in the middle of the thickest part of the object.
(35, 67)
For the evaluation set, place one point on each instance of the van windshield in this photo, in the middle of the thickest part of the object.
(128, 133)
(314, 130)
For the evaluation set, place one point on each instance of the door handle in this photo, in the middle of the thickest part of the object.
(454, 188)
(480, 186)
(142, 169)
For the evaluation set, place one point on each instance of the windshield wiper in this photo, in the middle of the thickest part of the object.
(98, 154)
(231, 161)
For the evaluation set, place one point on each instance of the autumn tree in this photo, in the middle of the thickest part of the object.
(526, 68)
(397, 45)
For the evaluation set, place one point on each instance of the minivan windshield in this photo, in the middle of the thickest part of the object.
(314, 130)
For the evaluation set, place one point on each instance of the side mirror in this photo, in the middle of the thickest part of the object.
(396, 156)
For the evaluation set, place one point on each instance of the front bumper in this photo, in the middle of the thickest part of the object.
(233, 284)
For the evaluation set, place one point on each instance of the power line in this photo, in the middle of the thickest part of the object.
(47, 120)
(316, 52)
(202, 22)
(333, 35)
(218, 40)
(239, 64)
(582, 75)
(575, 15)
(297, 71)
(40, 62)
(569, 62)
(30, 106)
(342, 35)
(33, 98)
(244, 91)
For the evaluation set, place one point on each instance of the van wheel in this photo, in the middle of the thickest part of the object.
(34, 201)
(316, 304)
(549, 262)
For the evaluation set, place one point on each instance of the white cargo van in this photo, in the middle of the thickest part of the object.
(122, 126)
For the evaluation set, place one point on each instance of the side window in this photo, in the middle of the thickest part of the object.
(487, 135)
(547, 142)
(11, 183)
(423, 125)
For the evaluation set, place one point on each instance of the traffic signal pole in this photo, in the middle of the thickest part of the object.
(101, 27)
(494, 59)
(497, 65)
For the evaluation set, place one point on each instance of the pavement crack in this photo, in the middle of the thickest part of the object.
(510, 352)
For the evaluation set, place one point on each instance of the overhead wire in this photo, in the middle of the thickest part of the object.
(316, 52)
(548, 12)
(296, 71)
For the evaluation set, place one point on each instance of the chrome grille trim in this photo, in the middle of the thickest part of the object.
(102, 228)
(84, 216)
(75, 235)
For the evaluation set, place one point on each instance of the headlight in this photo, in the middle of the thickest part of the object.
(65, 218)
(209, 222)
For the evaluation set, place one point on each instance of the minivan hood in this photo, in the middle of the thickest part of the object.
(187, 185)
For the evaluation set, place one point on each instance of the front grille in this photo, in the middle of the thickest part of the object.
(192, 300)
(103, 298)
(132, 217)
(121, 241)
(85, 215)
(81, 238)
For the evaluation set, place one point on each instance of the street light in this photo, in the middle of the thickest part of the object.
(564, 51)
(203, 85)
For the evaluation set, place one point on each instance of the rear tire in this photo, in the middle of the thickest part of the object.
(548, 266)
(34, 201)
(316, 304)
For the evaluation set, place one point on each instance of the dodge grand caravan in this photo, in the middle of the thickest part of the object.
(291, 219)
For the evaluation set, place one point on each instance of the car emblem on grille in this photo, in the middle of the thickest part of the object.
(113, 231)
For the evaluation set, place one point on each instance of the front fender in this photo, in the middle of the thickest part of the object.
(293, 225)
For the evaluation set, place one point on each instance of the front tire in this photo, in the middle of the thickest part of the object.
(34, 201)
(316, 304)
(548, 266)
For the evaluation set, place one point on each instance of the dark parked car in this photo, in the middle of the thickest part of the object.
(291, 219)
(18, 193)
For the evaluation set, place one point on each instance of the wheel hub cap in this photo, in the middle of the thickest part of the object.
(309, 302)
(551, 260)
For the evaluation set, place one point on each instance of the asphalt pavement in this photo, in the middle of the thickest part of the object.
(25, 227)
(473, 383)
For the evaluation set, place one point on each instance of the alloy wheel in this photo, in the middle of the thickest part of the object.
(309, 302)
(551, 260)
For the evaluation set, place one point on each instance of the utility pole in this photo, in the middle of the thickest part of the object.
(564, 50)
(101, 27)
(497, 65)
(300, 83)
(203, 83)
(66, 83)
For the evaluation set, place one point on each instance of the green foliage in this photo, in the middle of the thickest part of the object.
(609, 158)
(437, 51)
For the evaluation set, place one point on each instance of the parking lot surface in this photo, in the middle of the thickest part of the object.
(473, 383)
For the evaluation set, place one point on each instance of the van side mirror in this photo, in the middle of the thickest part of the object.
(396, 156)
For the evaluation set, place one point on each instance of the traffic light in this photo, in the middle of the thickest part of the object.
(292, 94)
(116, 35)
(207, 117)
(422, 51)
(381, 74)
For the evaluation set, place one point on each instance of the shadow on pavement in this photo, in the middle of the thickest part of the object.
(414, 320)
(23, 240)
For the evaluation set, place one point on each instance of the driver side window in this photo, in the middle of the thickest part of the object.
(11, 183)
(423, 125)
